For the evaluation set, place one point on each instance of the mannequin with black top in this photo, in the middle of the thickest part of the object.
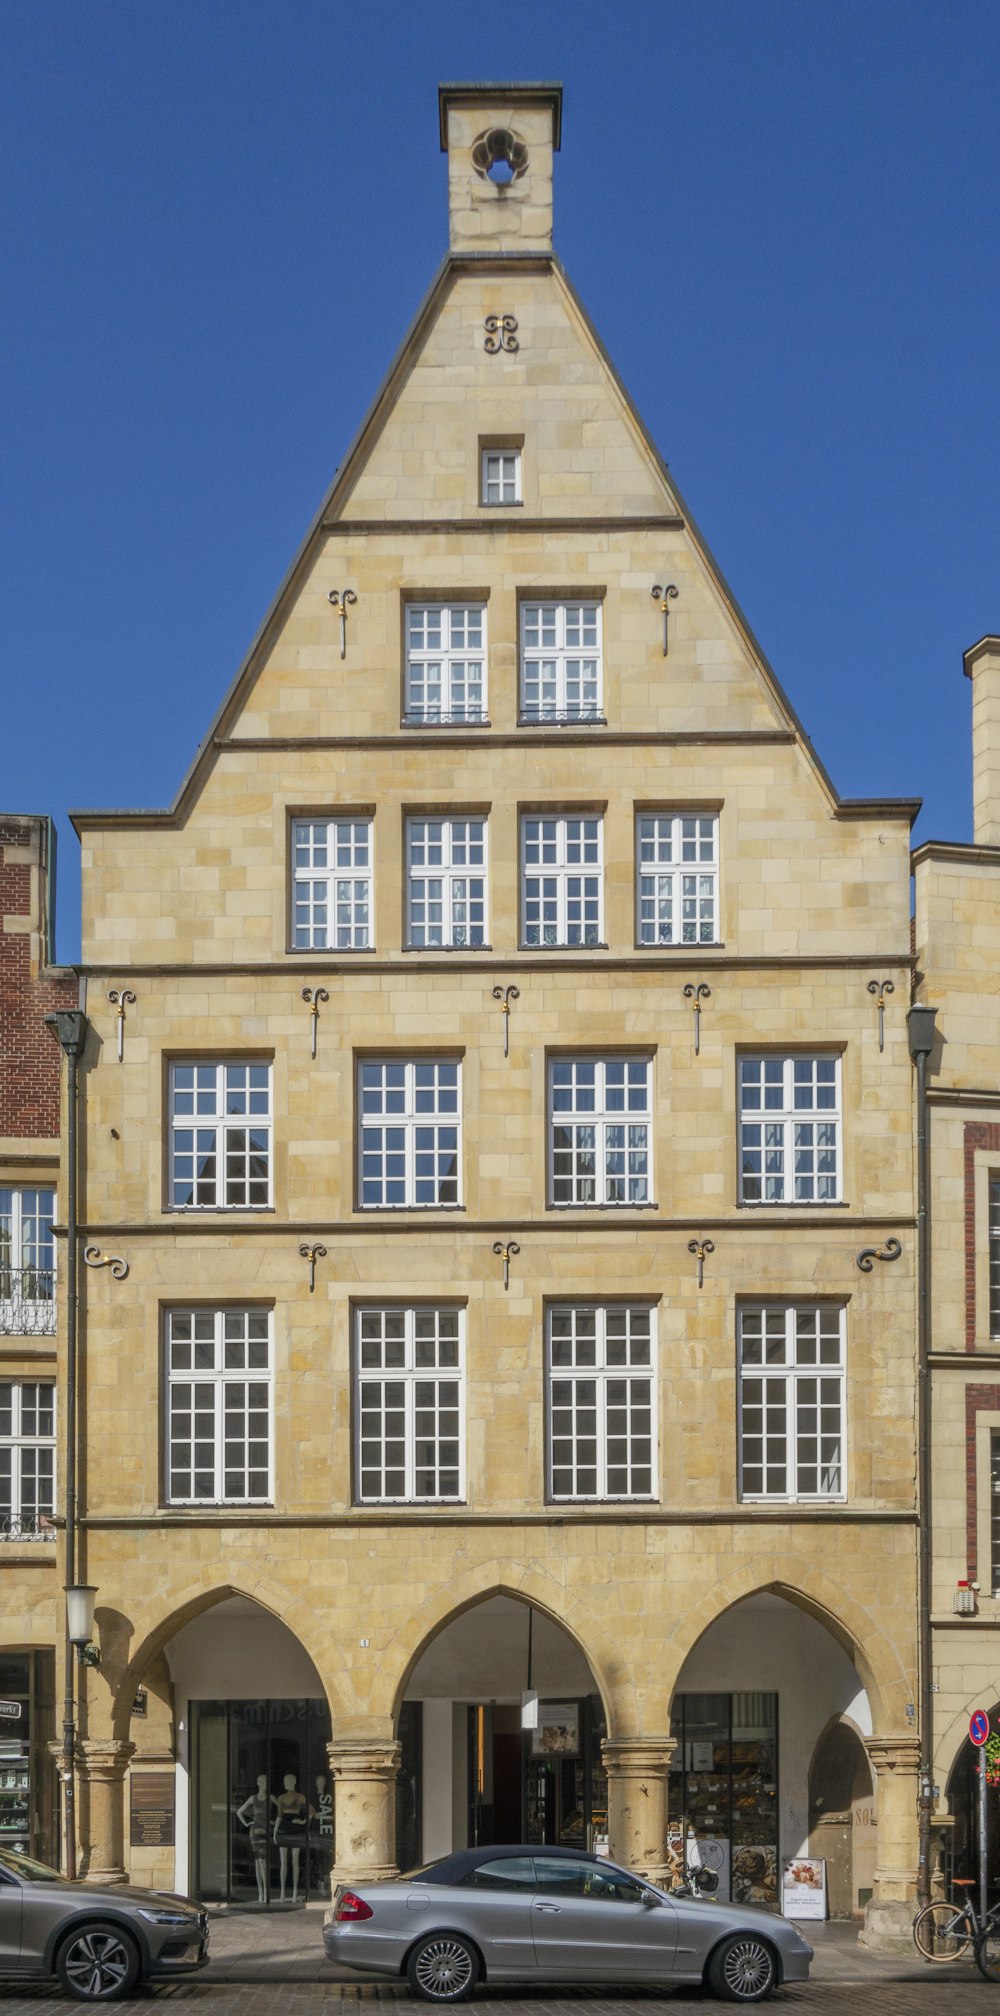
(292, 1814)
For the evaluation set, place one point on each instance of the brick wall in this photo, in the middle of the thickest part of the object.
(29, 1059)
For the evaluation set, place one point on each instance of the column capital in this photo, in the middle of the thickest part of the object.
(637, 1756)
(894, 1753)
(360, 1757)
(105, 1759)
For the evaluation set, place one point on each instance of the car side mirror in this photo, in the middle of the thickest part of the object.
(650, 1900)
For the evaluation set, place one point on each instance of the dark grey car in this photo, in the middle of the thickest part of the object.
(553, 1914)
(100, 1943)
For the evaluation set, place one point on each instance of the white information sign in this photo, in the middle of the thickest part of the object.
(803, 1888)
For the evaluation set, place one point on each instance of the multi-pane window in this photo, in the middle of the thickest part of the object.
(27, 1455)
(678, 878)
(447, 881)
(792, 1401)
(445, 662)
(408, 1411)
(332, 884)
(220, 1136)
(994, 1254)
(27, 1262)
(561, 880)
(601, 1378)
(219, 1406)
(410, 1126)
(501, 475)
(600, 1130)
(995, 1511)
(789, 1130)
(561, 661)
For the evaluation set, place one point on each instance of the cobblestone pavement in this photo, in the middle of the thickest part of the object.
(273, 1965)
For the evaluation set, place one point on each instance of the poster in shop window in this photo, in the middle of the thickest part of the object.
(803, 1888)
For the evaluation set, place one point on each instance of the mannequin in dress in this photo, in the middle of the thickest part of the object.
(254, 1815)
(292, 1811)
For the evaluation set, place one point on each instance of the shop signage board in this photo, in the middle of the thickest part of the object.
(152, 1809)
(10, 1711)
(803, 1888)
(979, 1728)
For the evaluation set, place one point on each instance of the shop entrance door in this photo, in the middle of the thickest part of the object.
(262, 1802)
(546, 1785)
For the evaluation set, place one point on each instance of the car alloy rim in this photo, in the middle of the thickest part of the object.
(444, 1967)
(96, 1962)
(747, 1967)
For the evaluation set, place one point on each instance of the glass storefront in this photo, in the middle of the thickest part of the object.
(262, 1801)
(28, 1796)
(544, 1785)
(724, 1787)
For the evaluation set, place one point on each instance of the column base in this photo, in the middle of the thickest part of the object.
(888, 1928)
(107, 1878)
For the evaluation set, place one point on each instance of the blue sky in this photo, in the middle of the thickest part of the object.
(218, 220)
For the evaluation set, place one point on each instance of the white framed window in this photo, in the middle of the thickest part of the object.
(501, 476)
(220, 1426)
(27, 1458)
(995, 1512)
(600, 1130)
(792, 1376)
(677, 887)
(994, 1253)
(410, 1132)
(561, 661)
(332, 885)
(409, 1405)
(562, 878)
(220, 1136)
(790, 1130)
(27, 1263)
(602, 1400)
(445, 662)
(446, 868)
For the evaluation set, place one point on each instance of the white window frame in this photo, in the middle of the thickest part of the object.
(564, 1416)
(220, 1381)
(564, 834)
(781, 1409)
(677, 878)
(457, 891)
(566, 672)
(374, 1378)
(777, 1125)
(27, 1260)
(26, 1446)
(620, 1149)
(404, 1112)
(333, 901)
(993, 1248)
(211, 1115)
(450, 659)
(504, 477)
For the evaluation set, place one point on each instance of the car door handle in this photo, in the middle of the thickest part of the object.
(549, 1907)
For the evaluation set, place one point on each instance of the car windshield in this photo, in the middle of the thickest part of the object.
(29, 1870)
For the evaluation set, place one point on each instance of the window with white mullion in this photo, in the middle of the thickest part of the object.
(27, 1261)
(220, 1136)
(602, 1401)
(219, 1407)
(995, 1511)
(501, 476)
(445, 662)
(790, 1130)
(792, 1401)
(409, 1408)
(562, 880)
(994, 1254)
(561, 661)
(446, 882)
(678, 878)
(332, 884)
(600, 1131)
(27, 1454)
(410, 1120)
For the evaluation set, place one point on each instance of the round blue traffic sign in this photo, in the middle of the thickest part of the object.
(979, 1728)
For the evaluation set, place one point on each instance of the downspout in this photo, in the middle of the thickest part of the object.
(920, 1037)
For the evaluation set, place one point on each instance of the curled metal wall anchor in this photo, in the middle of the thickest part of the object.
(881, 988)
(505, 995)
(506, 1254)
(891, 1250)
(312, 1254)
(501, 334)
(664, 596)
(93, 1257)
(118, 996)
(701, 1248)
(314, 995)
(339, 598)
(697, 994)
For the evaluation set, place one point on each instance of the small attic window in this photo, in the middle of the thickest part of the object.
(499, 156)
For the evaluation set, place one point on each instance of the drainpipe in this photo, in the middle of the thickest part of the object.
(70, 1028)
(920, 1037)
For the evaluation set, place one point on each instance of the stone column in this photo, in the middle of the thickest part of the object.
(364, 1813)
(637, 1769)
(102, 1768)
(889, 1916)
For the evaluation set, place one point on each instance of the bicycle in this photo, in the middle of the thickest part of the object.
(945, 1930)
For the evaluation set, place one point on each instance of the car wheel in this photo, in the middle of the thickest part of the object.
(98, 1963)
(743, 1969)
(443, 1968)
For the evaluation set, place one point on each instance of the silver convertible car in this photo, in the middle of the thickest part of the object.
(100, 1943)
(552, 1914)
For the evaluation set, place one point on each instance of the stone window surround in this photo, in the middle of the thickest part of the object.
(981, 1146)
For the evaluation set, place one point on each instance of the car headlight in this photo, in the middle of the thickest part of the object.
(169, 1917)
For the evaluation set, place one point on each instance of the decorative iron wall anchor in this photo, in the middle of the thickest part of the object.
(664, 595)
(505, 995)
(314, 995)
(339, 598)
(118, 996)
(697, 994)
(701, 1248)
(891, 1250)
(312, 1254)
(501, 334)
(881, 988)
(506, 1253)
(93, 1257)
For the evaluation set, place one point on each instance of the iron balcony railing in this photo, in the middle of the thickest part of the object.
(27, 1301)
(26, 1526)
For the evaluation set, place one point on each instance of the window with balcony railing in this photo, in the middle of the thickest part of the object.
(27, 1263)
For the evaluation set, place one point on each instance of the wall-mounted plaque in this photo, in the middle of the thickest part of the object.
(152, 1809)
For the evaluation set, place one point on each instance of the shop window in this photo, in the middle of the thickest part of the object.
(724, 1788)
(445, 663)
(792, 1374)
(27, 1459)
(409, 1405)
(677, 883)
(219, 1407)
(332, 885)
(28, 1808)
(561, 662)
(602, 1406)
(409, 1134)
(220, 1136)
(262, 1803)
(600, 1128)
(562, 880)
(27, 1263)
(790, 1130)
(446, 882)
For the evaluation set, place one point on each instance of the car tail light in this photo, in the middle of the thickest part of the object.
(352, 1906)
